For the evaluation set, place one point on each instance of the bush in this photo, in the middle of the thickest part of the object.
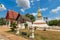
(13, 26)
(26, 25)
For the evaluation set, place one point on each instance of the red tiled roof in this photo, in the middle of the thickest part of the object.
(11, 15)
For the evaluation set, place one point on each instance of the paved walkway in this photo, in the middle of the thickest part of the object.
(6, 36)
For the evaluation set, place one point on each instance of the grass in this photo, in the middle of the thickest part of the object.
(41, 35)
(44, 35)
(26, 31)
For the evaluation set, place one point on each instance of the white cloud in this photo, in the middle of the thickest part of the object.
(44, 9)
(22, 10)
(34, 14)
(49, 19)
(32, 1)
(23, 3)
(57, 18)
(56, 10)
(2, 7)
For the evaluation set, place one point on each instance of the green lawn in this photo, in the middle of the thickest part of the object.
(43, 35)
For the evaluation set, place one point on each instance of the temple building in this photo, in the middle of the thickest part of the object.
(21, 20)
(11, 17)
(40, 22)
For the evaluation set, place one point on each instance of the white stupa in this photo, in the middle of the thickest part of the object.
(39, 21)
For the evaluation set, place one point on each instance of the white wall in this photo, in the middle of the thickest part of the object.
(29, 24)
(22, 26)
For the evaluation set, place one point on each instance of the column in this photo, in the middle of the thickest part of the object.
(9, 23)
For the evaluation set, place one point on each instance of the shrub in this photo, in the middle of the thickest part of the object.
(13, 26)
(26, 25)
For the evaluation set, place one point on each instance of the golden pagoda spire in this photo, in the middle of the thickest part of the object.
(39, 16)
(39, 13)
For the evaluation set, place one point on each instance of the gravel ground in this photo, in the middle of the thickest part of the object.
(8, 36)
(3, 38)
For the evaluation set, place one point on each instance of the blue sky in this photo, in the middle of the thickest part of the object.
(49, 8)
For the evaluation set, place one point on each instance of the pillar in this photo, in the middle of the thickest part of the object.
(9, 23)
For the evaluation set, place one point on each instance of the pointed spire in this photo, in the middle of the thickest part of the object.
(39, 12)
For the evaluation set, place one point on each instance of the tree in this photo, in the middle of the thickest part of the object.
(58, 24)
(54, 23)
(32, 18)
(2, 21)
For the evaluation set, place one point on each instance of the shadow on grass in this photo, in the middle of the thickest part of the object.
(21, 33)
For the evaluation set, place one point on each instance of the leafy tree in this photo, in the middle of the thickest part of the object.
(31, 17)
(54, 22)
(2, 21)
(58, 23)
